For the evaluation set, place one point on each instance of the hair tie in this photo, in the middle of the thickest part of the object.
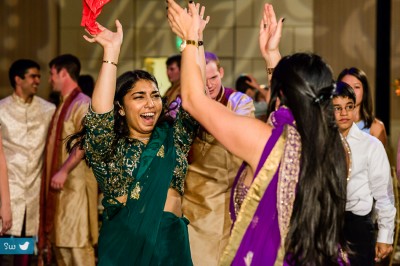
(326, 93)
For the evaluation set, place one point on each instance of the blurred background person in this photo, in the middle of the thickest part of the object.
(364, 113)
(25, 119)
(212, 170)
(248, 85)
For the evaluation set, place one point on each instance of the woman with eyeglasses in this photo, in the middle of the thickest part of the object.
(364, 113)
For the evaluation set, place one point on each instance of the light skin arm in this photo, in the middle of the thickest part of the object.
(201, 60)
(104, 90)
(378, 130)
(75, 157)
(216, 118)
(5, 208)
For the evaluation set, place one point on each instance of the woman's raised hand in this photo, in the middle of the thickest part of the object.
(107, 38)
(184, 23)
(270, 34)
(203, 22)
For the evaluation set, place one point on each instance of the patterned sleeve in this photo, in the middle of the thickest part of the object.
(99, 136)
(185, 129)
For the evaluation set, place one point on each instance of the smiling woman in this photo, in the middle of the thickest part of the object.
(138, 155)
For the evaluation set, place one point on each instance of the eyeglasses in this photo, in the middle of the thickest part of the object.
(339, 109)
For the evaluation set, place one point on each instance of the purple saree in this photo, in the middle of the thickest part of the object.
(262, 223)
(266, 210)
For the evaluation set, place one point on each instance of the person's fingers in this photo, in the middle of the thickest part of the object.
(271, 15)
(264, 21)
(207, 19)
(193, 10)
(88, 32)
(119, 26)
(279, 27)
(202, 10)
(197, 7)
(174, 11)
(263, 25)
(92, 40)
(173, 7)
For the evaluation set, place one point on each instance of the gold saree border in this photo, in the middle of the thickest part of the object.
(252, 199)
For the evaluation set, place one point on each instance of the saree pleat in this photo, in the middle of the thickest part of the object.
(130, 236)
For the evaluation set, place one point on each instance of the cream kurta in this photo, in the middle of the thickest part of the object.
(24, 129)
(207, 190)
(76, 216)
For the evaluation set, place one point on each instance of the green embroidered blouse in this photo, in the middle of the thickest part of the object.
(114, 169)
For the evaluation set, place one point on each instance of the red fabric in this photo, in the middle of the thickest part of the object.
(91, 10)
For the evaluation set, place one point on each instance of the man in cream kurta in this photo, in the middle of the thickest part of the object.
(24, 120)
(70, 223)
(212, 171)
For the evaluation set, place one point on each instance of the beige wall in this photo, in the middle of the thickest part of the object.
(345, 35)
(28, 30)
(232, 33)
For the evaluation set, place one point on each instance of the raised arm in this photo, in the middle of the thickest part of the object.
(269, 38)
(104, 90)
(238, 134)
(201, 54)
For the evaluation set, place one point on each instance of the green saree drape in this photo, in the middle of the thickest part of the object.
(139, 232)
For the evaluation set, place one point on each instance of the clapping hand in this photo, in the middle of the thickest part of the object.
(187, 24)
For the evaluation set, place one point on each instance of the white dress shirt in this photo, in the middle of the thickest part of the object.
(370, 179)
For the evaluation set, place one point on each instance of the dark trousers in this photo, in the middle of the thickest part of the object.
(359, 234)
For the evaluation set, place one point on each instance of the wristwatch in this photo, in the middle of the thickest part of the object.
(186, 42)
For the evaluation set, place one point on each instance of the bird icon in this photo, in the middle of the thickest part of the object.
(24, 246)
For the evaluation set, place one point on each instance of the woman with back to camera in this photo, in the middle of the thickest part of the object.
(364, 113)
(293, 212)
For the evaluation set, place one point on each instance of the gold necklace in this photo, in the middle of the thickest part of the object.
(348, 155)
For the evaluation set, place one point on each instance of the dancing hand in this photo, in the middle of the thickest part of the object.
(107, 38)
(183, 23)
(270, 33)
(203, 22)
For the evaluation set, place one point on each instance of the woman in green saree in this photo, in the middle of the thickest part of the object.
(139, 160)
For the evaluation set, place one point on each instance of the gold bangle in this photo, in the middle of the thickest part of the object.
(110, 62)
(270, 70)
